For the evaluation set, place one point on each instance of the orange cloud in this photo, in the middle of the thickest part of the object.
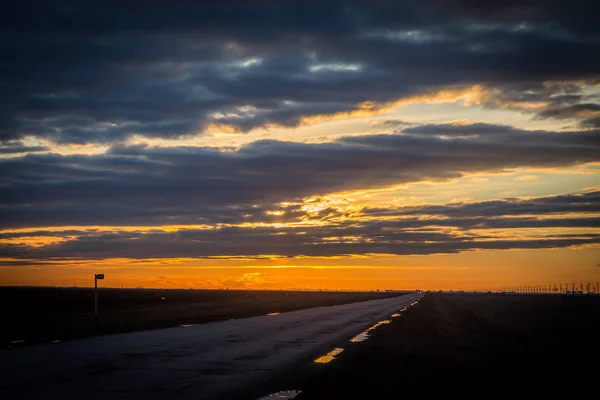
(249, 279)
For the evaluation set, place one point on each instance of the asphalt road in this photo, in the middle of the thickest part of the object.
(201, 362)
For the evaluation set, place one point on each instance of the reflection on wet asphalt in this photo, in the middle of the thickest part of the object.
(286, 394)
(361, 337)
(329, 356)
(199, 361)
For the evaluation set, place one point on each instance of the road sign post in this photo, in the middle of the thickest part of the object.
(96, 277)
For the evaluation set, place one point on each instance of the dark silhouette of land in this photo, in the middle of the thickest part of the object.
(44, 314)
(204, 361)
(455, 345)
(463, 346)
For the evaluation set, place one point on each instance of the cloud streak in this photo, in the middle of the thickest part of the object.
(141, 185)
(535, 223)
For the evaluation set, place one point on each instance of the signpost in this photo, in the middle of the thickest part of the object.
(96, 277)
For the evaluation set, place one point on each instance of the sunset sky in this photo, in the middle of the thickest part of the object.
(442, 144)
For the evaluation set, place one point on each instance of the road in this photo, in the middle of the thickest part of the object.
(200, 362)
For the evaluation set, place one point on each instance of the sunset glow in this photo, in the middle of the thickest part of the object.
(370, 149)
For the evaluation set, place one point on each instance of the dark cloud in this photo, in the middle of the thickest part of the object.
(448, 228)
(500, 134)
(101, 71)
(570, 111)
(255, 244)
(142, 185)
(16, 147)
(588, 114)
(568, 203)
(593, 122)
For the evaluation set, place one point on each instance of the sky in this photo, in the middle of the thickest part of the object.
(351, 145)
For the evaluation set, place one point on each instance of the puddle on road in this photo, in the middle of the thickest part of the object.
(329, 356)
(404, 309)
(273, 313)
(361, 337)
(285, 394)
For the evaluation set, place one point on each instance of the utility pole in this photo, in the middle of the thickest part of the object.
(96, 277)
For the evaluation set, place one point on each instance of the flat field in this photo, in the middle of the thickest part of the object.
(38, 314)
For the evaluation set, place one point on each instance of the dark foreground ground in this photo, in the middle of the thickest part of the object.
(38, 315)
(485, 346)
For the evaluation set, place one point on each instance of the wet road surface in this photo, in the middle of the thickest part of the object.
(199, 361)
